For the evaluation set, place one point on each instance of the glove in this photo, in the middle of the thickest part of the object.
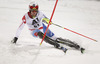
(14, 40)
(46, 20)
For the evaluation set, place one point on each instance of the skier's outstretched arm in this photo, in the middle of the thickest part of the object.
(19, 30)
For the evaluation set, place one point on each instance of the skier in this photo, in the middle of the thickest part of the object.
(34, 20)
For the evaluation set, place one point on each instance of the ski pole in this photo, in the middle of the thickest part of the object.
(75, 32)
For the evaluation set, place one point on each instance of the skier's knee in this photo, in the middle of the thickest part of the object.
(40, 34)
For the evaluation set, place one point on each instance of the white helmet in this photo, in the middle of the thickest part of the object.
(33, 6)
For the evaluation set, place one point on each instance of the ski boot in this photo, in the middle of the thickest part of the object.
(64, 49)
(61, 48)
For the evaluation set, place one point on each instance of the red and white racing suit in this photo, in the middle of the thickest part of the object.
(35, 25)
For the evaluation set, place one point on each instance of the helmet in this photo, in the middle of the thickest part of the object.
(33, 6)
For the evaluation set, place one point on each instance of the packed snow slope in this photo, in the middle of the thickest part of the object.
(80, 16)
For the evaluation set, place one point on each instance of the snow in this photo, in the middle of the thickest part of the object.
(80, 16)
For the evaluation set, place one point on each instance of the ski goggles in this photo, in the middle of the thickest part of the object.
(34, 10)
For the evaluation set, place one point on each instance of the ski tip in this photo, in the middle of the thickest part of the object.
(82, 50)
(95, 40)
